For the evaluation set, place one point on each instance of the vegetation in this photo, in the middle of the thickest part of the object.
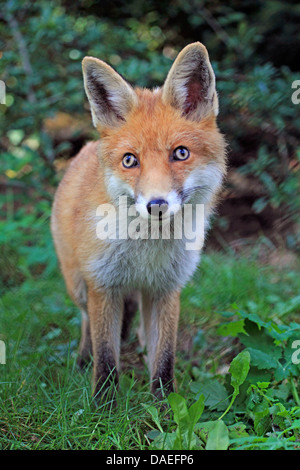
(237, 364)
(46, 401)
(253, 50)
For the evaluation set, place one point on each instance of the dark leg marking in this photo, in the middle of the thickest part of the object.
(106, 374)
(163, 379)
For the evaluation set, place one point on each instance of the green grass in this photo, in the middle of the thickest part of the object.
(46, 402)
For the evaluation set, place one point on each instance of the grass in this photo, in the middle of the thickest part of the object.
(46, 402)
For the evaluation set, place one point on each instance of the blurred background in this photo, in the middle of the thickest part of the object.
(254, 48)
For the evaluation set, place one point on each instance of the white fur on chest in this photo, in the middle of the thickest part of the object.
(153, 265)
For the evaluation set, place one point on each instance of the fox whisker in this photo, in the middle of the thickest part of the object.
(186, 194)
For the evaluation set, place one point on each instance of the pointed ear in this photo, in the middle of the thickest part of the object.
(111, 98)
(190, 84)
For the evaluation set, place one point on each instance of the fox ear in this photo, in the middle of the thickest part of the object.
(111, 98)
(190, 84)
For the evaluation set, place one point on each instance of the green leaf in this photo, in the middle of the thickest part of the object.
(196, 409)
(254, 319)
(237, 430)
(154, 413)
(232, 328)
(216, 395)
(263, 384)
(261, 359)
(239, 369)
(180, 409)
(163, 441)
(262, 342)
(262, 420)
(218, 437)
(203, 429)
(185, 419)
(195, 412)
(258, 375)
(187, 442)
(181, 417)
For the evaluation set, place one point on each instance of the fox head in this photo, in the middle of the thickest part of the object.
(159, 147)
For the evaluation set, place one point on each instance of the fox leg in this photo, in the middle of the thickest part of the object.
(105, 313)
(160, 321)
(77, 288)
(85, 346)
(78, 291)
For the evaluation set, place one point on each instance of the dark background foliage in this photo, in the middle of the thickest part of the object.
(254, 48)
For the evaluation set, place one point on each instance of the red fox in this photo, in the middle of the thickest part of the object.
(158, 148)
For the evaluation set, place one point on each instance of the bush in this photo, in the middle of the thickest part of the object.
(254, 55)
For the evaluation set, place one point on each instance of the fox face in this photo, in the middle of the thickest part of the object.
(160, 148)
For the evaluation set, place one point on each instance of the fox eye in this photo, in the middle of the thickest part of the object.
(129, 160)
(181, 153)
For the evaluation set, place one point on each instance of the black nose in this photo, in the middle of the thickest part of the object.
(157, 207)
